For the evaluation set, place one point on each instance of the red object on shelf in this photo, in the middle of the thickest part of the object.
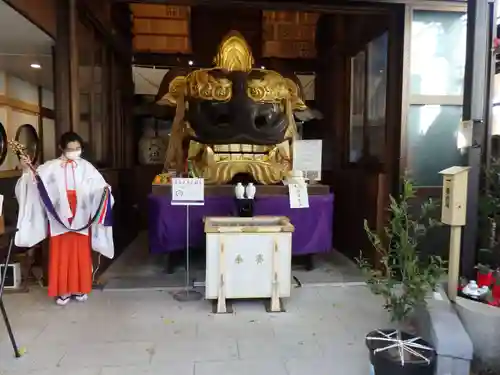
(484, 279)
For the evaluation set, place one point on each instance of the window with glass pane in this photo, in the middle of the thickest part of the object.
(438, 53)
(357, 106)
(433, 142)
(376, 99)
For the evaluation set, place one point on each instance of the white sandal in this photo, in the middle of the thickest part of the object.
(81, 297)
(62, 300)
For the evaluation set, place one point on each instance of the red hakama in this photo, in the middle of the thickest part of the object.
(70, 260)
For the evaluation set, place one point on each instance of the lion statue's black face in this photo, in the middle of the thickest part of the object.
(240, 120)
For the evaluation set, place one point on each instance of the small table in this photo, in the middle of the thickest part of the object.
(10, 233)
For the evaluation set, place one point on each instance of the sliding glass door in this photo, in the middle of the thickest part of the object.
(433, 140)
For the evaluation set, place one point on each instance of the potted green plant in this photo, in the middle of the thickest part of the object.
(489, 217)
(404, 279)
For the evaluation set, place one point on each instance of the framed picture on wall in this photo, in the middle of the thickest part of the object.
(3, 144)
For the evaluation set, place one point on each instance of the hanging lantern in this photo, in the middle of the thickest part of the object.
(152, 148)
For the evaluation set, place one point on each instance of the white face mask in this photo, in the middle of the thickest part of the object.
(73, 155)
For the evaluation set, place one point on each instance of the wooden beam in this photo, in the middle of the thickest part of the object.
(47, 113)
(10, 173)
(160, 60)
(19, 105)
(320, 6)
(290, 5)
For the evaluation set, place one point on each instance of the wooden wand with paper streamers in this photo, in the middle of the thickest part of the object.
(20, 150)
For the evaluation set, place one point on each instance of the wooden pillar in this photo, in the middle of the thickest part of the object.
(329, 86)
(66, 93)
(74, 66)
(397, 91)
(61, 70)
(41, 156)
(480, 27)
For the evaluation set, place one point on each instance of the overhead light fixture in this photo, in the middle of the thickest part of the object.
(36, 66)
(190, 62)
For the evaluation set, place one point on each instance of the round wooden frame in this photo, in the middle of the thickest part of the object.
(33, 148)
(3, 144)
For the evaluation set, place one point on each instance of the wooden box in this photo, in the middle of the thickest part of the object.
(161, 28)
(248, 258)
(289, 34)
(162, 44)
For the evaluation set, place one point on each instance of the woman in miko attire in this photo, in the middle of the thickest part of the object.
(67, 199)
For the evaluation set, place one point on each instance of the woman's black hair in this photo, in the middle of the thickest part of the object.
(69, 137)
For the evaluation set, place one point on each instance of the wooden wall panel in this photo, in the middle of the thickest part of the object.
(289, 34)
(161, 28)
(161, 44)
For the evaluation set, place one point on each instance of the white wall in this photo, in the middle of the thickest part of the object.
(147, 80)
(13, 88)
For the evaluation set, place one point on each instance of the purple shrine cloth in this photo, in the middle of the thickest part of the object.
(167, 223)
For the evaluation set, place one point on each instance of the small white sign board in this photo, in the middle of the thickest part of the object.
(299, 198)
(307, 157)
(465, 131)
(188, 191)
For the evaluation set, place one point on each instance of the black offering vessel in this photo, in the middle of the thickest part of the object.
(244, 207)
(244, 199)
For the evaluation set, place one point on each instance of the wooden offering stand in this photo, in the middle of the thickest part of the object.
(228, 190)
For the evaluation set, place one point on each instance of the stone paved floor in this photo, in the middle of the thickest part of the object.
(136, 268)
(148, 332)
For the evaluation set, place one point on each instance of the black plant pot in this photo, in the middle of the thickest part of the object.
(387, 361)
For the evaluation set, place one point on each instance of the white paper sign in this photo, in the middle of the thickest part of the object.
(307, 157)
(188, 191)
(299, 198)
(465, 134)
